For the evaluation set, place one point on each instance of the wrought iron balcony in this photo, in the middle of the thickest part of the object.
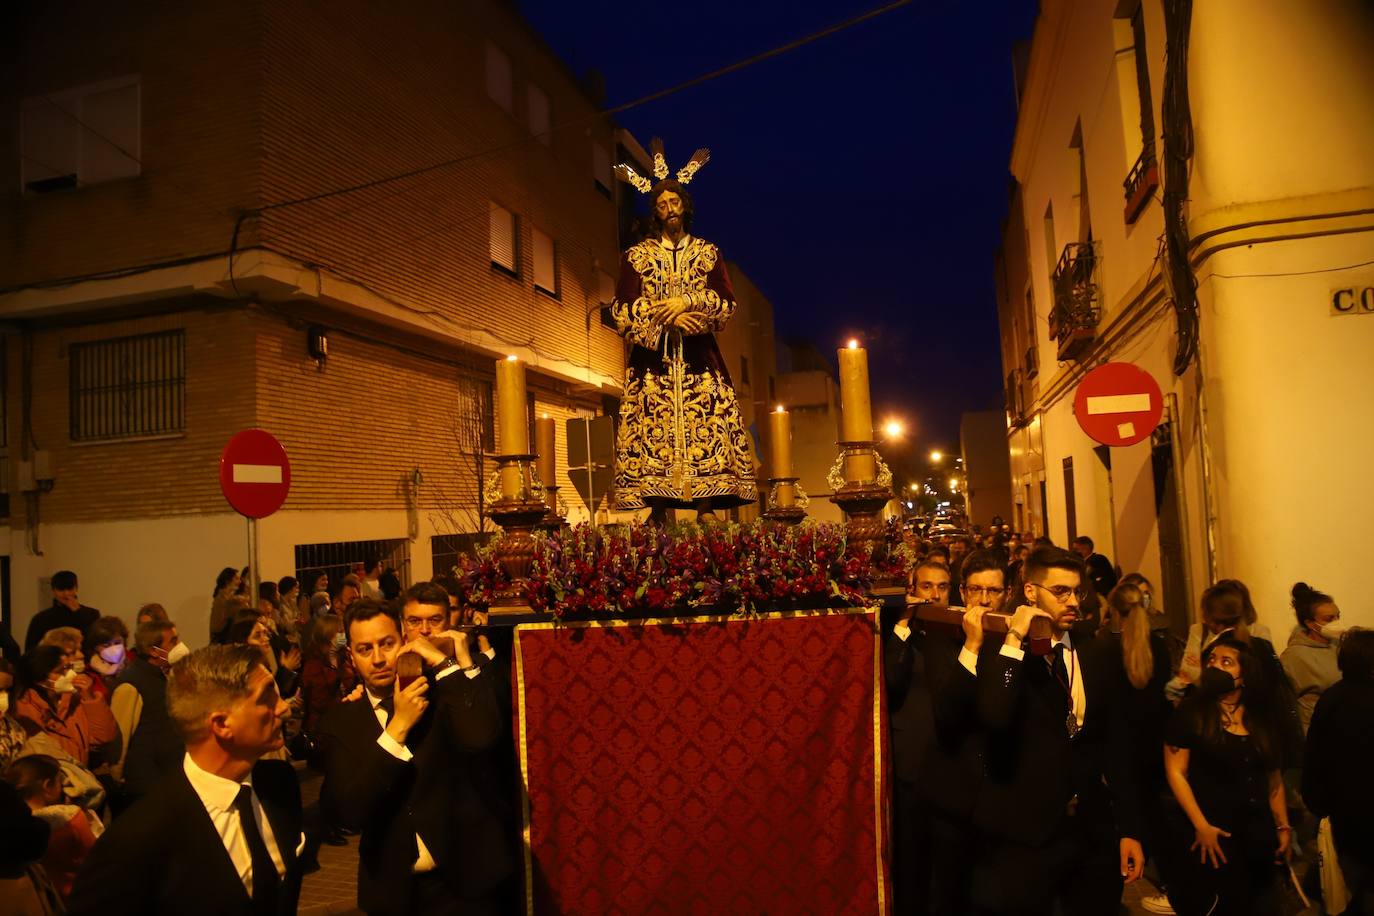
(1032, 361)
(1076, 312)
(1016, 409)
(1141, 183)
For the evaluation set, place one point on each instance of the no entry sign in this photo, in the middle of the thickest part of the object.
(254, 473)
(1118, 404)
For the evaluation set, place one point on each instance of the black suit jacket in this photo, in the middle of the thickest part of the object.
(163, 856)
(908, 702)
(438, 794)
(951, 771)
(1033, 769)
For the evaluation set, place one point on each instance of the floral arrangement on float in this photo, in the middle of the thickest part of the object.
(647, 570)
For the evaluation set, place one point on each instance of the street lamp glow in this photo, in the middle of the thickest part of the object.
(913, 487)
(953, 484)
(937, 456)
(893, 429)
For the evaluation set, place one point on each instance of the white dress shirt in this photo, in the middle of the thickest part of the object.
(218, 795)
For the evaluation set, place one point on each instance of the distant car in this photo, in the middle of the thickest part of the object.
(942, 534)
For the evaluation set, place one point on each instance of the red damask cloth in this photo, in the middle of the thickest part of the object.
(704, 766)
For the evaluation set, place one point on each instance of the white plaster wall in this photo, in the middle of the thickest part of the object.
(1289, 418)
(123, 565)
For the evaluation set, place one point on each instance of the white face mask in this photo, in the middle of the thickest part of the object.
(65, 683)
(1333, 630)
(113, 654)
(177, 653)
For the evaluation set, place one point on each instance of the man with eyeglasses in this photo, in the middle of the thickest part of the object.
(1057, 805)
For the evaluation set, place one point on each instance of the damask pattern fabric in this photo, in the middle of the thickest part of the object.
(680, 437)
(708, 766)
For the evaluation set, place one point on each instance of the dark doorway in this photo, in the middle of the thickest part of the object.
(1173, 563)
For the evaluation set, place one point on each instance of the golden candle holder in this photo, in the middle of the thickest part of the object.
(787, 501)
(861, 493)
(517, 513)
(556, 512)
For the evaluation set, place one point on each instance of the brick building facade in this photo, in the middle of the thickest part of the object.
(177, 237)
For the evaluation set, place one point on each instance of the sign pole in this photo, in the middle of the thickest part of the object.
(254, 577)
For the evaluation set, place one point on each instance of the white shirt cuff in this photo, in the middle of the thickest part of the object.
(902, 630)
(490, 654)
(969, 660)
(1013, 653)
(445, 673)
(394, 747)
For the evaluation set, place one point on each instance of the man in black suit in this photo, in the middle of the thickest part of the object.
(221, 835)
(399, 765)
(1057, 807)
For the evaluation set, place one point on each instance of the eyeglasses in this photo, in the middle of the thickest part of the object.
(1062, 592)
(990, 591)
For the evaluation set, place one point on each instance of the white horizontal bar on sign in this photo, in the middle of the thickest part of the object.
(257, 473)
(1119, 403)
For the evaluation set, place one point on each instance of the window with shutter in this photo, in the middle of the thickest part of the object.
(80, 136)
(601, 168)
(503, 239)
(545, 263)
(500, 80)
(605, 294)
(538, 104)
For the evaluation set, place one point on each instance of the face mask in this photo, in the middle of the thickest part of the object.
(114, 654)
(340, 640)
(1215, 682)
(177, 653)
(1333, 630)
(64, 683)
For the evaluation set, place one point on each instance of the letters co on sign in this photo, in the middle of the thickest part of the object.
(1353, 300)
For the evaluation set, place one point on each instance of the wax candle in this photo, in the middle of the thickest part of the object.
(781, 429)
(512, 421)
(856, 413)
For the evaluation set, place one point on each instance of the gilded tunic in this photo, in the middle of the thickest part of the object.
(681, 438)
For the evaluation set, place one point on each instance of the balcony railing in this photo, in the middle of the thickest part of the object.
(1076, 311)
(1015, 405)
(1141, 183)
(1032, 361)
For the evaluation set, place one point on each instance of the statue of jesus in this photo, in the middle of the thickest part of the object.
(681, 442)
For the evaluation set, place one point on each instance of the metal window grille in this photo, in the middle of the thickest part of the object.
(128, 387)
(339, 559)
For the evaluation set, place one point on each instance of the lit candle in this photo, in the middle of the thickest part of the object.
(856, 413)
(781, 429)
(512, 421)
(544, 444)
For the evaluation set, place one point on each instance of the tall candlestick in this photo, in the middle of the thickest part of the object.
(544, 445)
(856, 413)
(512, 421)
(856, 424)
(781, 428)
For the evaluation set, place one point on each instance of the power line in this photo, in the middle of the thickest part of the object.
(600, 115)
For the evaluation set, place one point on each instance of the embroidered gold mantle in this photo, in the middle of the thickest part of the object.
(681, 438)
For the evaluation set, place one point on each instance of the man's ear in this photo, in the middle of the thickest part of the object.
(219, 725)
(1028, 592)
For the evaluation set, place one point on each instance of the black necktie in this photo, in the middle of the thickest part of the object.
(1061, 674)
(265, 878)
(388, 705)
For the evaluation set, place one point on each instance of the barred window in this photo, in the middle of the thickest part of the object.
(129, 386)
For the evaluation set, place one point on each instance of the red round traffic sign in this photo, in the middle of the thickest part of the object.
(254, 473)
(1118, 404)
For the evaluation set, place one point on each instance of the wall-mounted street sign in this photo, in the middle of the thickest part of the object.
(1118, 404)
(254, 473)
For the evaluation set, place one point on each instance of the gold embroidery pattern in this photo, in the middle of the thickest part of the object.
(681, 437)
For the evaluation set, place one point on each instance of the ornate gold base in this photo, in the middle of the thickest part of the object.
(515, 552)
(863, 506)
(553, 519)
(790, 515)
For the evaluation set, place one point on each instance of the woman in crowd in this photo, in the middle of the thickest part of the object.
(251, 628)
(58, 701)
(105, 648)
(72, 829)
(226, 587)
(1222, 760)
(322, 671)
(321, 606)
(312, 583)
(150, 612)
(69, 640)
(1310, 659)
(12, 734)
(1225, 606)
(1340, 757)
(289, 603)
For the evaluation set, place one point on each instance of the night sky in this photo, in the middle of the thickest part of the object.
(859, 181)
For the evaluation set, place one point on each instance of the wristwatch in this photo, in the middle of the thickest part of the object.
(444, 665)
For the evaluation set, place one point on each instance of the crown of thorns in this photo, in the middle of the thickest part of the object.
(684, 175)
